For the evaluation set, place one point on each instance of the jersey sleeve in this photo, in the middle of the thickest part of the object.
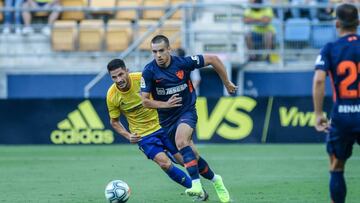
(323, 61)
(114, 111)
(192, 62)
(146, 83)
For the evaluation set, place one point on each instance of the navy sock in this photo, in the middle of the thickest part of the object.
(190, 162)
(205, 170)
(337, 186)
(179, 176)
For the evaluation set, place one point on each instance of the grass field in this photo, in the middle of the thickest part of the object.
(252, 173)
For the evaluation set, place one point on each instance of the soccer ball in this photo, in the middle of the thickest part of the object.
(117, 191)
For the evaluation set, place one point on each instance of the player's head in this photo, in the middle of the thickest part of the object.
(180, 52)
(119, 73)
(347, 17)
(160, 48)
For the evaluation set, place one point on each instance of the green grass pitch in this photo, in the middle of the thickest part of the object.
(252, 173)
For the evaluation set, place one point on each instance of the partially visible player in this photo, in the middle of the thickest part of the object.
(167, 79)
(123, 97)
(341, 61)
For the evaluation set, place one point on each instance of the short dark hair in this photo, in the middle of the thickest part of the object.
(180, 52)
(115, 64)
(160, 38)
(348, 16)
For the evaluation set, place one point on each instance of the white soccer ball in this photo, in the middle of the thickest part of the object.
(117, 191)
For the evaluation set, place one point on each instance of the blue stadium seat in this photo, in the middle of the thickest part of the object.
(297, 30)
(322, 34)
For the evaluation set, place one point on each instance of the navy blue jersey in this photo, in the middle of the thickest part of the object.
(341, 61)
(162, 83)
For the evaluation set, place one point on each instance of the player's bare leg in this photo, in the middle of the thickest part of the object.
(183, 143)
(337, 180)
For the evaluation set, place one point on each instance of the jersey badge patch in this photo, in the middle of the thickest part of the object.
(180, 74)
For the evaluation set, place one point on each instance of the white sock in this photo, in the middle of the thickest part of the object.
(214, 178)
(196, 180)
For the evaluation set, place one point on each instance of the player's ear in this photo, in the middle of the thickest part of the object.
(337, 24)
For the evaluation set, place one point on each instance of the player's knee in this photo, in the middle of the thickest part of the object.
(165, 164)
(337, 165)
(181, 142)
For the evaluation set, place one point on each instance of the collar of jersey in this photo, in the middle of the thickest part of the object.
(171, 61)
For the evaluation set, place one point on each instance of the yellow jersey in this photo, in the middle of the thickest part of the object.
(142, 121)
(264, 12)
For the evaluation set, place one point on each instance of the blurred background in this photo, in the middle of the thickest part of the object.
(55, 52)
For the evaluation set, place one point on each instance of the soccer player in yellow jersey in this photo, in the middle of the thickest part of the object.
(123, 98)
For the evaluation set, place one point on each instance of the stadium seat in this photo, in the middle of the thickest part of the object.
(118, 35)
(154, 14)
(297, 32)
(144, 25)
(73, 15)
(322, 34)
(102, 4)
(128, 14)
(91, 34)
(64, 35)
(172, 29)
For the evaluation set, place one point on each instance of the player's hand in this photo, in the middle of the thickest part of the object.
(134, 138)
(322, 123)
(230, 87)
(174, 101)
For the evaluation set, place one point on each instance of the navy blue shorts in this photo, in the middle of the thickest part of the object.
(341, 144)
(155, 143)
(189, 117)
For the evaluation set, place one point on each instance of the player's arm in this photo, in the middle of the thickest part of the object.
(318, 99)
(221, 71)
(174, 101)
(119, 128)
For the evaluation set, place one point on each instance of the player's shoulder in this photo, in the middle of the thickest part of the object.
(186, 59)
(135, 75)
(111, 91)
(327, 47)
(150, 66)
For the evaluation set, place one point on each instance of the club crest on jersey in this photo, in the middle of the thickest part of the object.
(180, 74)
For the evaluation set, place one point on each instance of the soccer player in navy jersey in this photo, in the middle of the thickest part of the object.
(341, 61)
(167, 80)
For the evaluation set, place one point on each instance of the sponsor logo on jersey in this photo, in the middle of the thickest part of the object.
(349, 108)
(159, 80)
(171, 90)
(82, 126)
